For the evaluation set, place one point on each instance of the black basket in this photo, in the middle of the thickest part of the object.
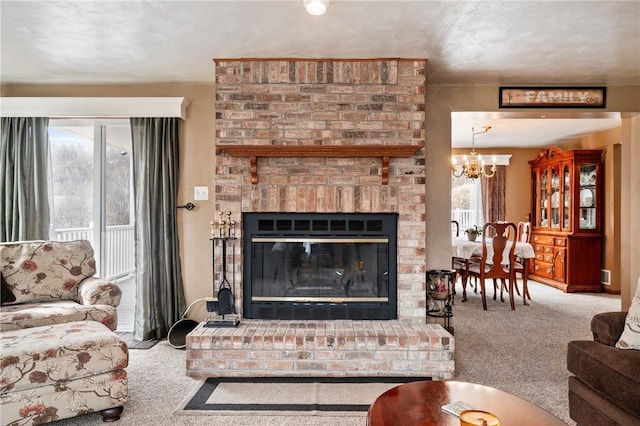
(177, 336)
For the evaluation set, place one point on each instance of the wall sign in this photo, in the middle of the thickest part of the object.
(552, 97)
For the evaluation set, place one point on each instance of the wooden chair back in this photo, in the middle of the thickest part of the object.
(524, 232)
(495, 266)
(521, 266)
(455, 228)
(504, 233)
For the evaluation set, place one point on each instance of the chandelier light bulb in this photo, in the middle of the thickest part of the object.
(316, 7)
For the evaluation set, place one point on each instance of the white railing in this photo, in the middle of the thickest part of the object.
(71, 234)
(118, 258)
(465, 218)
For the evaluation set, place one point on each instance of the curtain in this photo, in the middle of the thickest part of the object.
(493, 196)
(159, 291)
(24, 150)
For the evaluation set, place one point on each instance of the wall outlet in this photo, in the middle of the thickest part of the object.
(201, 193)
(605, 277)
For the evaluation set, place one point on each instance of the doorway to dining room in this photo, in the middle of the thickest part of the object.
(524, 135)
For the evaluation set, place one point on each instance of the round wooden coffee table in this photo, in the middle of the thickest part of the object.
(420, 403)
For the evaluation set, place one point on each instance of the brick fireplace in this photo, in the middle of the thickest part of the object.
(342, 103)
(348, 119)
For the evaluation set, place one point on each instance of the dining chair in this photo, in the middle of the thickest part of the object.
(523, 236)
(495, 265)
(460, 265)
(524, 232)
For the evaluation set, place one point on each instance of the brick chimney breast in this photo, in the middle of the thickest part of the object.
(327, 102)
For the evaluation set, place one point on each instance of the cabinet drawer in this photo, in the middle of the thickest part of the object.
(543, 269)
(543, 239)
(541, 248)
(561, 242)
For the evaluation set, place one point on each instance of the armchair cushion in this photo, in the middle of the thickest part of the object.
(29, 315)
(39, 271)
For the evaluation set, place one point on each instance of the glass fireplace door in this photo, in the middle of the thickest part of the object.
(317, 266)
(332, 270)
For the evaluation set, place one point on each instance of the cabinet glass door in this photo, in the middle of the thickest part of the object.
(588, 194)
(544, 198)
(566, 197)
(555, 198)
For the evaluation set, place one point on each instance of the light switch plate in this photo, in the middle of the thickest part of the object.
(201, 193)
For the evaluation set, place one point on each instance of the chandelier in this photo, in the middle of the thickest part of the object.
(473, 166)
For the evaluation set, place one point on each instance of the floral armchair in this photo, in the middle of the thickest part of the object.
(53, 282)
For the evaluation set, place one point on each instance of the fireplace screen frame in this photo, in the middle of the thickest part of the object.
(260, 228)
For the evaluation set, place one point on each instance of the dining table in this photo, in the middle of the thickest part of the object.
(463, 248)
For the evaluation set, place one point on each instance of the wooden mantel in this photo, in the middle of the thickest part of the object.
(255, 151)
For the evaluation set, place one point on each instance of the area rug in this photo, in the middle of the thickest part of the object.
(321, 396)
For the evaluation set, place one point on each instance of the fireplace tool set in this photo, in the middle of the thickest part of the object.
(222, 307)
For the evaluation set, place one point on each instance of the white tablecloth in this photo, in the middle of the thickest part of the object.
(463, 248)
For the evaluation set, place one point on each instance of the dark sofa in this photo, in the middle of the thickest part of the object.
(605, 386)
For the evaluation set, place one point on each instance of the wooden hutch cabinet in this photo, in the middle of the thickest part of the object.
(566, 215)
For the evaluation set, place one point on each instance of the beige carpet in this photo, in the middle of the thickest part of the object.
(521, 352)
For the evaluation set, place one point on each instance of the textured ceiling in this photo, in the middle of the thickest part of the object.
(465, 42)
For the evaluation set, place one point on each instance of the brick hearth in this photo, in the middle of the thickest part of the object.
(321, 348)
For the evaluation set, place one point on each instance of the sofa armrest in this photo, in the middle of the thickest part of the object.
(97, 291)
(607, 327)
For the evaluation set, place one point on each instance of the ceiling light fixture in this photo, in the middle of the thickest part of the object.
(316, 7)
(473, 167)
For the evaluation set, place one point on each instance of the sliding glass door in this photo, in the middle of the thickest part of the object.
(91, 190)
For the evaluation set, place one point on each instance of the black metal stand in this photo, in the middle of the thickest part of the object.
(223, 316)
(440, 284)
